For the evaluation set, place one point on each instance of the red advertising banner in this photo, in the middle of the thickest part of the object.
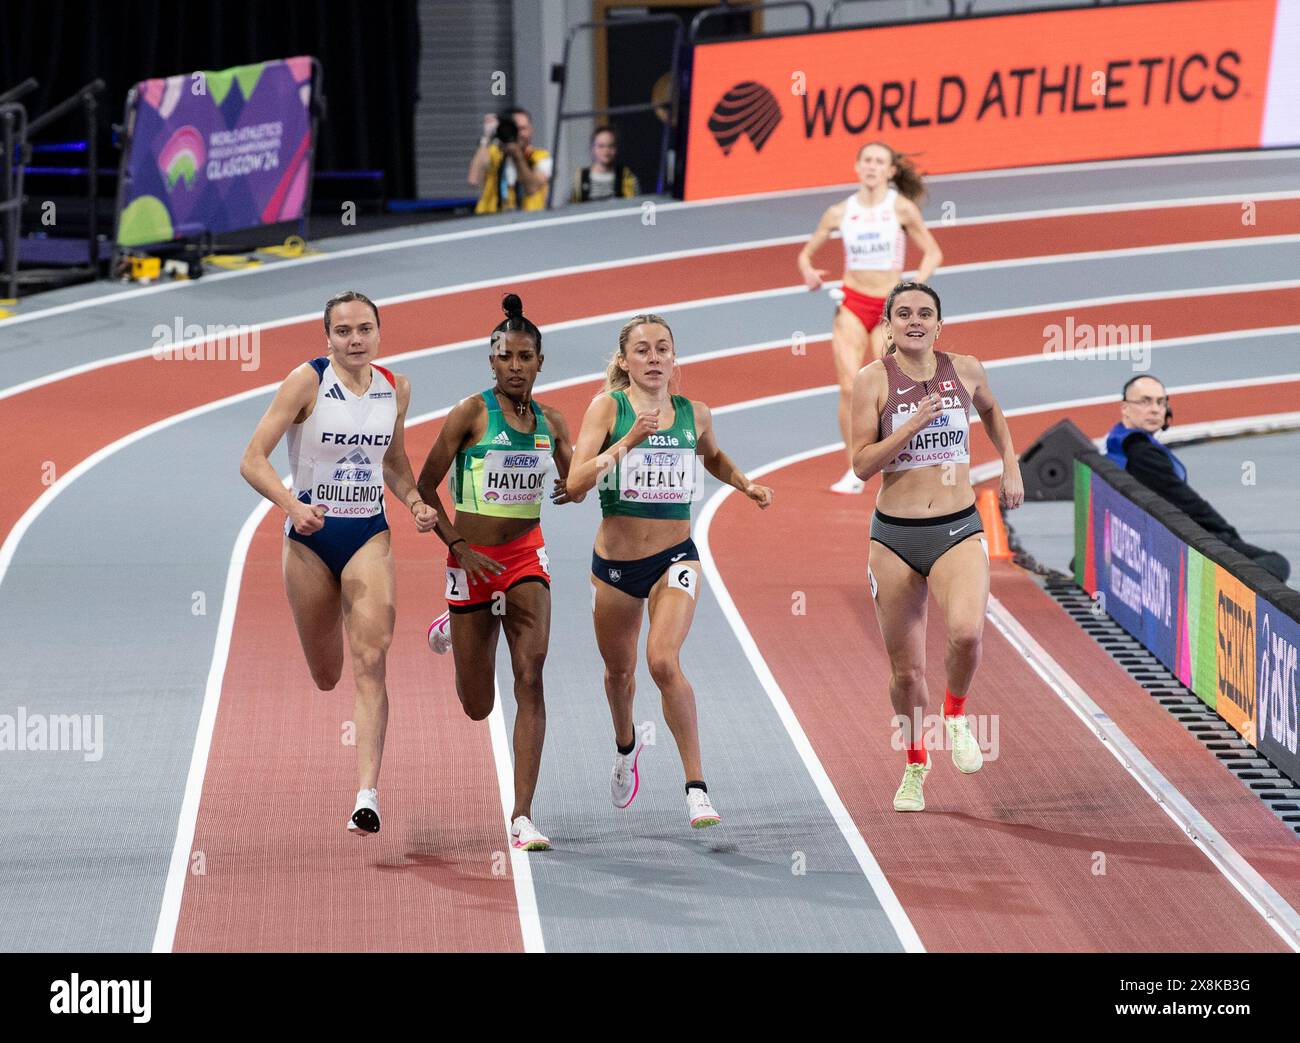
(984, 93)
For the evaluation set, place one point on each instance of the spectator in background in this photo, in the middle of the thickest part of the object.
(512, 174)
(1133, 446)
(605, 178)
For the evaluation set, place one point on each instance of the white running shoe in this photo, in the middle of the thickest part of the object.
(849, 485)
(365, 817)
(527, 837)
(625, 780)
(440, 634)
(909, 796)
(700, 809)
(966, 752)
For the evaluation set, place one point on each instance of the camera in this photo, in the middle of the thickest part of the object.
(507, 131)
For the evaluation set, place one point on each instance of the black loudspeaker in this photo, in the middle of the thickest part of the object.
(1047, 466)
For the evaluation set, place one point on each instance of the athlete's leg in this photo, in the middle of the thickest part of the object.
(617, 618)
(474, 649)
(672, 608)
(960, 581)
(527, 624)
(901, 613)
(369, 595)
(316, 604)
(877, 342)
(849, 340)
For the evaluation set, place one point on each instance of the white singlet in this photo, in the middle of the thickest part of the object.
(873, 238)
(336, 455)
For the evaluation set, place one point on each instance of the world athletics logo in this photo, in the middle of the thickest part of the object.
(748, 109)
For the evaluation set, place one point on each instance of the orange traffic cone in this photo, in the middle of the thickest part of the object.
(991, 517)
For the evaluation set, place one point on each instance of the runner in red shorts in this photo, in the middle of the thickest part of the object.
(498, 446)
(874, 223)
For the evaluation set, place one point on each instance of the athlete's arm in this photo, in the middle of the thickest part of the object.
(1011, 490)
(719, 464)
(870, 451)
(563, 455)
(589, 464)
(830, 221)
(292, 403)
(457, 432)
(397, 466)
(909, 216)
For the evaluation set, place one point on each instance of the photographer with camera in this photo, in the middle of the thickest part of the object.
(513, 175)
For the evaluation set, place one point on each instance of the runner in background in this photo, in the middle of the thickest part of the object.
(874, 224)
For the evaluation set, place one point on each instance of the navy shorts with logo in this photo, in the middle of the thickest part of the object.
(638, 577)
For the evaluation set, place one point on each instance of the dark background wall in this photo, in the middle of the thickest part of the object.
(369, 50)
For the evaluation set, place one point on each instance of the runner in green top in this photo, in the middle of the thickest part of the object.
(644, 447)
(499, 446)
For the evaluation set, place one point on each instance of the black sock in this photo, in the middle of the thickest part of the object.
(697, 785)
(625, 750)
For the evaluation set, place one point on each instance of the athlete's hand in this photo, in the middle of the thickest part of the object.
(646, 425)
(489, 125)
(927, 409)
(812, 277)
(760, 494)
(560, 494)
(1011, 489)
(426, 517)
(478, 567)
(307, 518)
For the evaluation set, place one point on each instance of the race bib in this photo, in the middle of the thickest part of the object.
(660, 476)
(350, 487)
(515, 477)
(457, 585)
(683, 577)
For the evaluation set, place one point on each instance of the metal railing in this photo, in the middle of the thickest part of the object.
(13, 137)
(559, 74)
(835, 7)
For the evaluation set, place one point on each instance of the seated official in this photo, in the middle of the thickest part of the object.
(606, 177)
(1133, 446)
(511, 173)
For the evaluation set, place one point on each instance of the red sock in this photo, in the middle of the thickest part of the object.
(916, 752)
(953, 705)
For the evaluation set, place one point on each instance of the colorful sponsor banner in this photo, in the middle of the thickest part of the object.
(216, 152)
(1277, 712)
(1234, 652)
(1140, 562)
(1237, 651)
(984, 93)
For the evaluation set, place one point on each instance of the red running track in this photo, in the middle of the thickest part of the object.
(1003, 860)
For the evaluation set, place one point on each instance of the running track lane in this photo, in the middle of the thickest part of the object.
(1003, 860)
(101, 406)
(281, 873)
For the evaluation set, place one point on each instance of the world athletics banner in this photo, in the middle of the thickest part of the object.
(216, 151)
(1229, 643)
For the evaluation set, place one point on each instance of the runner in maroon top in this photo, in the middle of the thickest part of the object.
(911, 422)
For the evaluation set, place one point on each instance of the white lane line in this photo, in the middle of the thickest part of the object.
(1257, 891)
(169, 912)
(530, 922)
(637, 211)
(1259, 894)
(889, 903)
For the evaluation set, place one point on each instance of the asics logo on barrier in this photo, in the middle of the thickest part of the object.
(749, 109)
